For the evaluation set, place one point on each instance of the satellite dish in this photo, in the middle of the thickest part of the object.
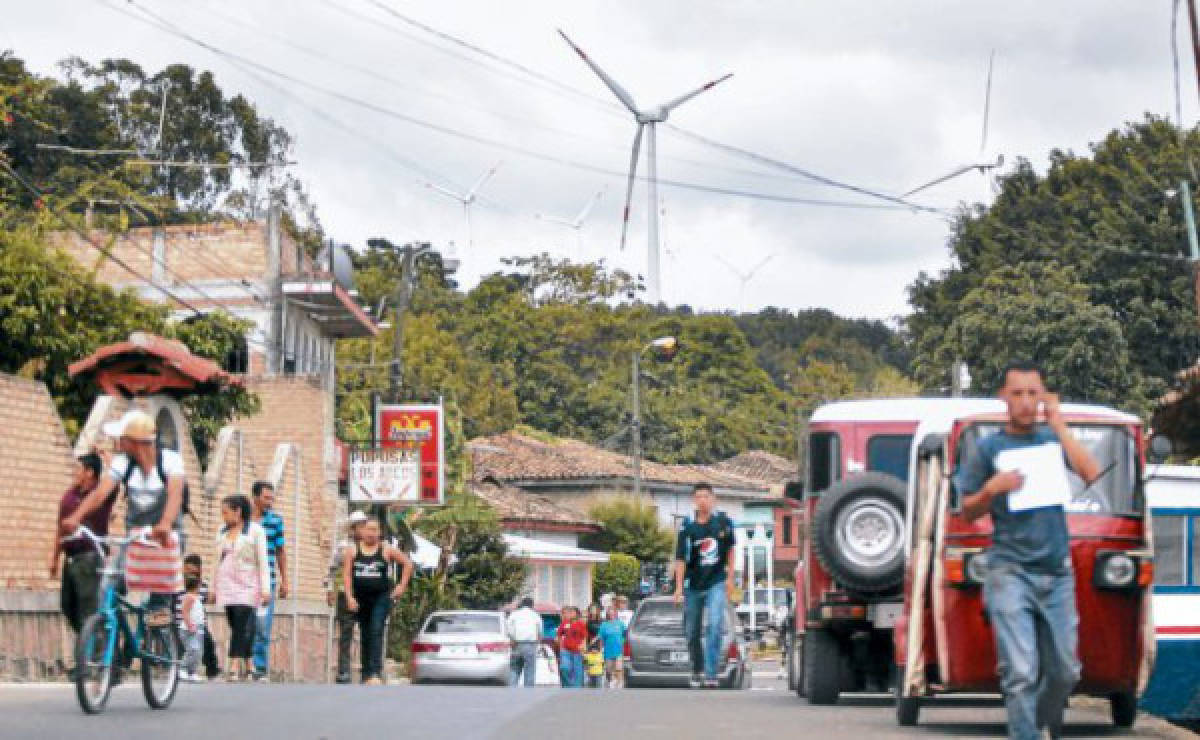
(342, 266)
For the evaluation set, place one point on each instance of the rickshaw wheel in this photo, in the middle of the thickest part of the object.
(822, 667)
(1124, 709)
(908, 708)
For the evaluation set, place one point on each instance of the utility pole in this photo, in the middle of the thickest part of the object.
(404, 290)
(1185, 190)
(635, 425)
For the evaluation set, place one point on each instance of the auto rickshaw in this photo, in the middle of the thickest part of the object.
(943, 642)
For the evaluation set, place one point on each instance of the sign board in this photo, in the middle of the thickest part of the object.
(419, 429)
(392, 475)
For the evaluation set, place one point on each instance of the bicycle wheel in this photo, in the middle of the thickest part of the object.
(93, 673)
(160, 666)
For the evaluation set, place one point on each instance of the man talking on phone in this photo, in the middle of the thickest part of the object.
(1030, 587)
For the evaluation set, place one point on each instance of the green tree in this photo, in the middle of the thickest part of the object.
(1104, 215)
(631, 528)
(620, 575)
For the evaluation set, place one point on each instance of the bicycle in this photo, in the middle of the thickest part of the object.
(154, 642)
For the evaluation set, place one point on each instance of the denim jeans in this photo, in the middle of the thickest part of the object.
(704, 617)
(1036, 626)
(346, 621)
(262, 638)
(193, 649)
(570, 665)
(525, 655)
(372, 618)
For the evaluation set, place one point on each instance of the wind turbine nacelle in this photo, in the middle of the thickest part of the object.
(654, 115)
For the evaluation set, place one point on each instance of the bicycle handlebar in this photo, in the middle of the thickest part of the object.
(139, 535)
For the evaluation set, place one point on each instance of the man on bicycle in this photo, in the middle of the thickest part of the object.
(151, 501)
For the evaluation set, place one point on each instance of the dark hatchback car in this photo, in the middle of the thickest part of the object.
(657, 653)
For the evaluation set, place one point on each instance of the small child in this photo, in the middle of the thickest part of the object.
(193, 629)
(593, 661)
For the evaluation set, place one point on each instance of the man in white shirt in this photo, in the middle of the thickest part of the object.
(525, 631)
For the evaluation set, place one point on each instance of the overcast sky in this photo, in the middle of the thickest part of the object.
(881, 94)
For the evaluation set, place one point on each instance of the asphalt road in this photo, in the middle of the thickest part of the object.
(300, 712)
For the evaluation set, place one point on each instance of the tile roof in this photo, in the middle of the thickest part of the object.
(204, 372)
(521, 507)
(514, 456)
(760, 465)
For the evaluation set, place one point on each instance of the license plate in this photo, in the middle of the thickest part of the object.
(457, 651)
(886, 614)
(678, 656)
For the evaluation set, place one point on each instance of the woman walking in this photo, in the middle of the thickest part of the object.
(367, 583)
(243, 580)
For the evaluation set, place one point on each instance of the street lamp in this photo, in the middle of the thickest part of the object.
(664, 348)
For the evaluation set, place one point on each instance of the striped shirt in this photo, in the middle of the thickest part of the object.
(202, 592)
(272, 524)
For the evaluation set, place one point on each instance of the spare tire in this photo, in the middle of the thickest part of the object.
(858, 532)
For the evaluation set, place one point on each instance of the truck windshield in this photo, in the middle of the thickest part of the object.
(1119, 489)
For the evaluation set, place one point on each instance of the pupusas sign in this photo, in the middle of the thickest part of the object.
(415, 435)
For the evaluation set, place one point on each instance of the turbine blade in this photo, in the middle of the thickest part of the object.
(987, 102)
(633, 160)
(759, 266)
(616, 89)
(672, 104)
(732, 268)
(446, 192)
(479, 183)
(948, 176)
(587, 208)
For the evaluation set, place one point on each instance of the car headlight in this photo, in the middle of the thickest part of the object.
(1115, 570)
(976, 568)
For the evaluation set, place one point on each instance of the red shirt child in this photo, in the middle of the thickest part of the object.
(572, 634)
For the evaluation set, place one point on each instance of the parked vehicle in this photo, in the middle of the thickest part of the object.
(1173, 495)
(462, 645)
(657, 654)
(848, 583)
(943, 642)
(769, 606)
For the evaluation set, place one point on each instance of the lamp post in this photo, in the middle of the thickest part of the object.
(665, 348)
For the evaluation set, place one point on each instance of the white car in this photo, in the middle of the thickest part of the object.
(462, 645)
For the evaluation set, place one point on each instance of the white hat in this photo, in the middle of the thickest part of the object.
(356, 517)
(133, 424)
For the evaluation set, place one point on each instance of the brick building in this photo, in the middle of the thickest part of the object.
(298, 309)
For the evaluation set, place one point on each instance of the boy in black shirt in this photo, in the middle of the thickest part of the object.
(704, 579)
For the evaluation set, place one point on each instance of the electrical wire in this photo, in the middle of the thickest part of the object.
(156, 21)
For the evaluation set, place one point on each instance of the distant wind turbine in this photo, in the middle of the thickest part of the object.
(646, 119)
(982, 166)
(744, 277)
(468, 198)
(577, 222)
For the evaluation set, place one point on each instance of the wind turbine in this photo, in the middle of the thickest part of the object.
(577, 222)
(647, 119)
(984, 166)
(744, 277)
(467, 198)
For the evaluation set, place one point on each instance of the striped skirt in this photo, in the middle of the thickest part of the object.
(158, 570)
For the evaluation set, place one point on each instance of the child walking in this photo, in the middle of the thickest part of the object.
(193, 629)
(243, 579)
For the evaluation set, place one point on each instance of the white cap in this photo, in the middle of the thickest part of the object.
(356, 517)
(134, 424)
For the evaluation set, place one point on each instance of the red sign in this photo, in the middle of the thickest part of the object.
(417, 426)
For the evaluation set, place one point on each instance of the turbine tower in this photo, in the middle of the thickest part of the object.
(647, 119)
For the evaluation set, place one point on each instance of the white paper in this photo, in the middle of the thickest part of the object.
(1046, 481)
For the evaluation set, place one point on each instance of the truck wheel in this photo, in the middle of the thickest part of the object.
(858, 532)
(796, 665)
(1124, 709)
(822, 667)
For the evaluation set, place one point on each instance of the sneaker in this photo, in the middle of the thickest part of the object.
(260, 677)
(188, 677)
(711, 683)
(343, 678)
(696, 681)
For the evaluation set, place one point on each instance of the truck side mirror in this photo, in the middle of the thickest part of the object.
(1161, 448)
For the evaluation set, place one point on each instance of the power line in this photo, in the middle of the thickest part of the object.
(494, 143)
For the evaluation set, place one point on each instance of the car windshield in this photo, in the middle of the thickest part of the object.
(443, 624)
(1119, 489)
(659, 619)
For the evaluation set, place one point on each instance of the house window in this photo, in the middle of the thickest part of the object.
(559, 593)
(237, 359)
(787, 529)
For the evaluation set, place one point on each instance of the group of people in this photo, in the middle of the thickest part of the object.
(591, 648)
(251, 571)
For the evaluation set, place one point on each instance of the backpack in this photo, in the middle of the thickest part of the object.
(186, 508)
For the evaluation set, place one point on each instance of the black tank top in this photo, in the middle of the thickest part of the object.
(371, 576)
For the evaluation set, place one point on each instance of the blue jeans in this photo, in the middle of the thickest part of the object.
(1037, 632)
(704, 617)
(262, 638)
(570, 666)
(525, 655)
(373, 611)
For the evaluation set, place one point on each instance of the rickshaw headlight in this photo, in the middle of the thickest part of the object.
(1116, 570)
(977, 568)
